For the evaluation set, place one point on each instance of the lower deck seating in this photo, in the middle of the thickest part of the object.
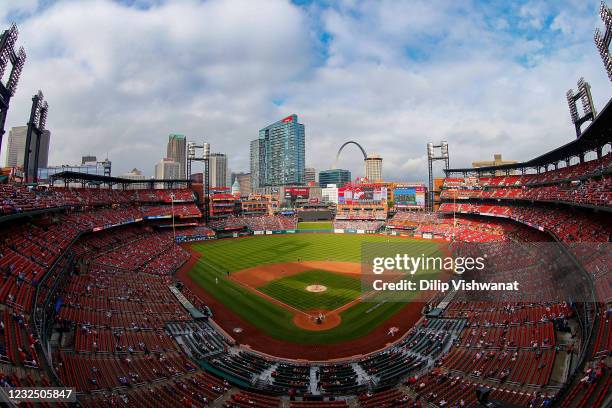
(245, 399)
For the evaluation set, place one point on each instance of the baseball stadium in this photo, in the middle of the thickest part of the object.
(169, 293)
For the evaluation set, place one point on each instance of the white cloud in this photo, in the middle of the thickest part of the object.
(397, 75)
(117, 78)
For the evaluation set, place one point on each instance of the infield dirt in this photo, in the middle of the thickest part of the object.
(253, 337)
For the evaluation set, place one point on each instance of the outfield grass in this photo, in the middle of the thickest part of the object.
(315, 225)
(221, 257)
(291, 290)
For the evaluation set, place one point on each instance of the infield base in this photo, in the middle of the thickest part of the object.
(311, 320)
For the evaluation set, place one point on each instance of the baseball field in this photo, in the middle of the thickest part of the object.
(281, 284)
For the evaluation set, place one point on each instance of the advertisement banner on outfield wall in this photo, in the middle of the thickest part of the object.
(497, 272)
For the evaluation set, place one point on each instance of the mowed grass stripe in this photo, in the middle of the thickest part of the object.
(236, 254)
(292, 290)
(220, 257)
(315, 225)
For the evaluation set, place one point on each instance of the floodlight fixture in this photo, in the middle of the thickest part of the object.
(191, 148)
(602, 40)
(584, 95)
(606, 14)
(435, 152)
(13, 80)
(43, 116)
(586, 98)
(206, 151)
(572, 105)
(7, 47)
(36, 127)
(14, 60)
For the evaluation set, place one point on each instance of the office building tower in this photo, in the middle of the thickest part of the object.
(177, 152)
(135, 174)
(167, 169)
(15, 153)
(310, 175)
(278, 155)
(244, 180)
(373, 167)
(338, 177)
(218, 170)
(256, 163)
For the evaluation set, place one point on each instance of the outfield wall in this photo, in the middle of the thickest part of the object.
(335, 231)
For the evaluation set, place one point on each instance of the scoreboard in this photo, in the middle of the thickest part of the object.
(409, 196)
(362, 194)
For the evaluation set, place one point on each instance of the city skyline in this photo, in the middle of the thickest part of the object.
(391, 90)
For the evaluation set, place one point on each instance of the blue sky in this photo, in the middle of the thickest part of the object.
(488, 77)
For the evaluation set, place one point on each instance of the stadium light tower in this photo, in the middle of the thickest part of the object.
(8, 39)
(36, 127)
(435, 152)
(584, 95)
(205, 158)
(602, 40)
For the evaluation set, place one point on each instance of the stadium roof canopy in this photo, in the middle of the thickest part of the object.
(597, 135)
(85, 178)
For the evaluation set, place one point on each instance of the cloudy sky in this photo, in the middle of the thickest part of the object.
(488, 77)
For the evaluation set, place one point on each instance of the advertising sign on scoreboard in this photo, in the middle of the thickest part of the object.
(292, 193)
(405, 197)
(341, 195)
(360, 194)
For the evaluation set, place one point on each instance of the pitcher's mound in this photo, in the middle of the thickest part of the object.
(317, 320)
(316, 288)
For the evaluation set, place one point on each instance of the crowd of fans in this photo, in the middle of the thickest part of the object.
(18, 199)
(360, 225)
(125, 336)
(256, 223)
(587, 183)
(570, 225)
(590, 191)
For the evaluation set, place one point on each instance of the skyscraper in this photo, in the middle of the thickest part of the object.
(177, 151)
(166, 169)
(244, 179)
(218, 170)
(256, 163)
(135, 174)
(310, 175)
(279, 154)
(373, 167)
(16, 148)
(339, 177)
